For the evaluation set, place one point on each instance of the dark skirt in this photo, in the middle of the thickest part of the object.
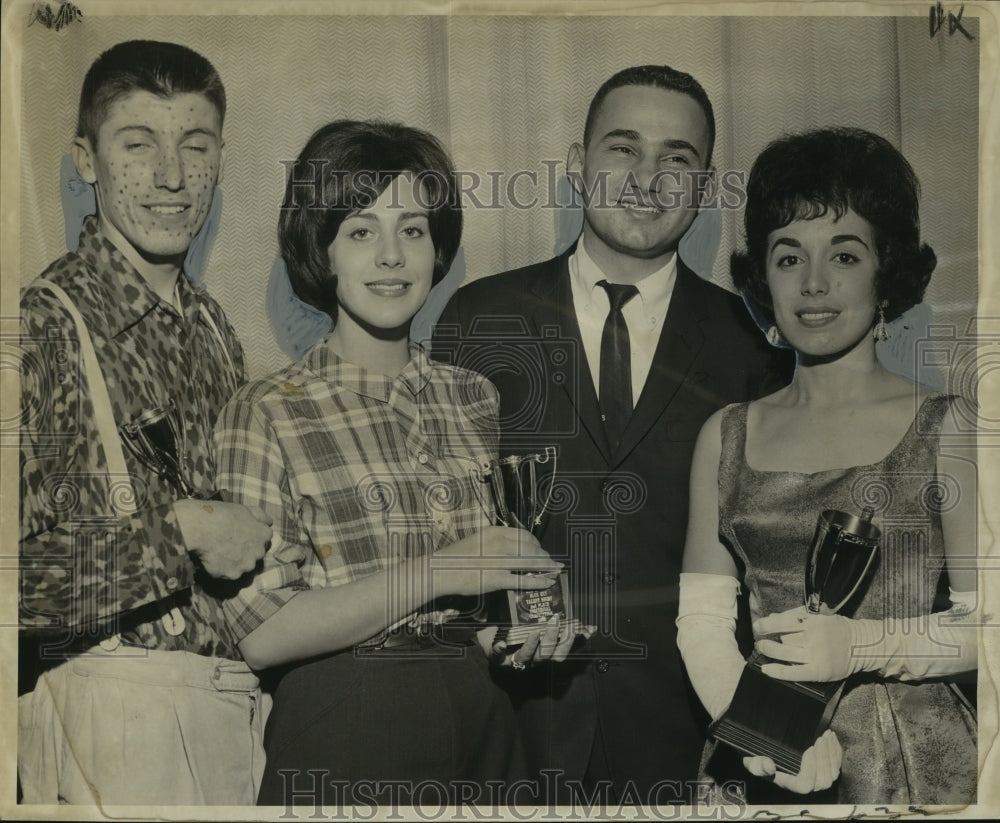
(390, 728)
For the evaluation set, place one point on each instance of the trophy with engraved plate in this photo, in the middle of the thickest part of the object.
(520, 503)
(781, 719)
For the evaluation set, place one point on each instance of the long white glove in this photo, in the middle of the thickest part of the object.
(820, 766)
(832, 647)
(706, 637)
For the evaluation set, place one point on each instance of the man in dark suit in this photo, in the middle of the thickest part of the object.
(616, 352)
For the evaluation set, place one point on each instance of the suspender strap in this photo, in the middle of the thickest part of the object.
(104, 415)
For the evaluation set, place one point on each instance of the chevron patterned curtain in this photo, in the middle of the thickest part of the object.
(508, 95)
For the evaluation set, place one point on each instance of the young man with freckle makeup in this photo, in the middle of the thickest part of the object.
(142, 696)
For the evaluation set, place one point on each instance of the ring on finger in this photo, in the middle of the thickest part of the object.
(518, 665)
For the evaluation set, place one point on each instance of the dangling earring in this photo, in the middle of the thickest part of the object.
(880, 332)
(774, 337)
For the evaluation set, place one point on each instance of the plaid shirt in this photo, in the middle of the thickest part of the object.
(83, 568)
(357, 470)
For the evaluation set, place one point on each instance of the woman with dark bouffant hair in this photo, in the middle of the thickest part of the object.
(833, 254)
(368, 456)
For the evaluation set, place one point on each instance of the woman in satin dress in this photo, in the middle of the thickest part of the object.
(833, 254)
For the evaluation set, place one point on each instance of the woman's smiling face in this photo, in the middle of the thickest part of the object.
(821, 275)
(383, 257)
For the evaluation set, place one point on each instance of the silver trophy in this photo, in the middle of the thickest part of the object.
(514, 483)
(519, 503)
(840, 555)
(157, 440)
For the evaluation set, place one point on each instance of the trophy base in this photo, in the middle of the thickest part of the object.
(518, 613)
(776, 718)
(516, 635)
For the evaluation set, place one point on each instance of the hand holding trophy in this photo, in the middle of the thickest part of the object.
(518, 503)
(782, 719)
(225, 539)
(156, 439)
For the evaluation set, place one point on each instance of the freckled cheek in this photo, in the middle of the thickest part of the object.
(125, 181)
(202, 177)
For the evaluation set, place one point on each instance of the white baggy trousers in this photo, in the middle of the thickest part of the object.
(140, 727)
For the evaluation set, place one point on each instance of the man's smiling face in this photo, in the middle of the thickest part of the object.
(641, 167)
(155, 167)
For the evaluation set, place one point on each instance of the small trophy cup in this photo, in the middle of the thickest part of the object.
(782, 719)
(514, 486)
(156, 439)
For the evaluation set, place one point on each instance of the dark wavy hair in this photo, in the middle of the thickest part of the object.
(662, 77)
(159, 68)
(345, 167)
(803, 176)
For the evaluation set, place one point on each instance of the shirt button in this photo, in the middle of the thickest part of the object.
(603, 666)
(171, 582)
(422, 459)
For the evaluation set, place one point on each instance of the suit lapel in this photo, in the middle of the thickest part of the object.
(554, 309)
(680, 341)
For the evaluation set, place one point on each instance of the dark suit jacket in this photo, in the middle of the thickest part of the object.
(618, 518)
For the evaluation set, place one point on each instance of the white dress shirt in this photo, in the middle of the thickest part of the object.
(644, 314)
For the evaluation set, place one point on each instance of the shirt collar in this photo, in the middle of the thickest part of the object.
(126, 296)
(330, 366)
(655, 287)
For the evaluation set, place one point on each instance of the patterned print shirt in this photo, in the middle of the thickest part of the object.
(85, 573)
(357, 470)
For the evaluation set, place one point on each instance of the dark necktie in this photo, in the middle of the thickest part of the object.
(616, 364)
